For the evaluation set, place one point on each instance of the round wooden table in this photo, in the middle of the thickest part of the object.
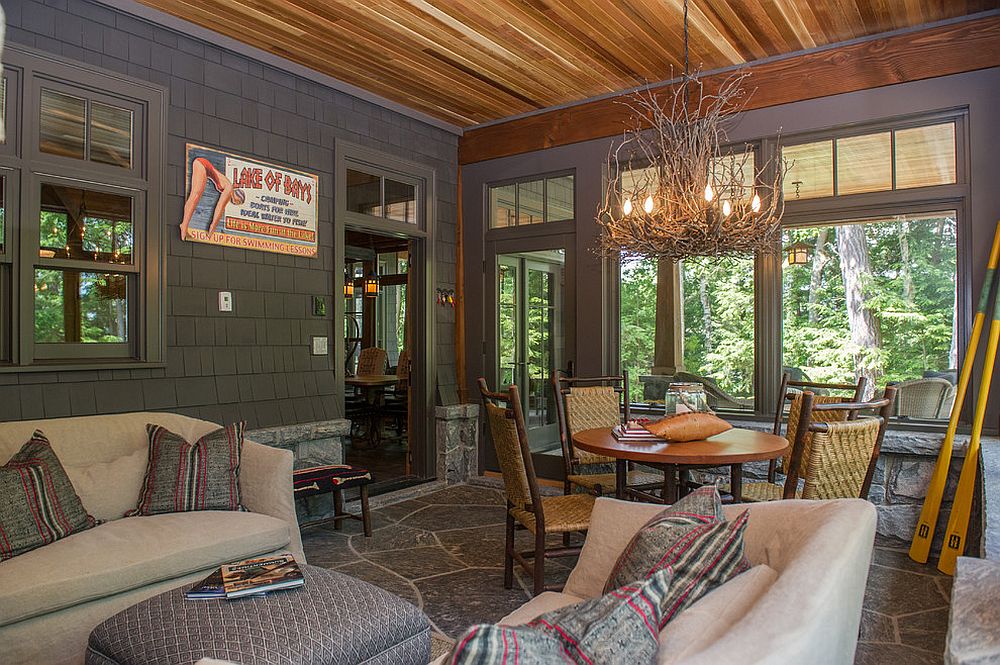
(731, 448)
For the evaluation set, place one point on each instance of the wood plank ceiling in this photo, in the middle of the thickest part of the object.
(468, 62)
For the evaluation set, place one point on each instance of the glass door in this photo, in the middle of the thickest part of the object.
(530, 336)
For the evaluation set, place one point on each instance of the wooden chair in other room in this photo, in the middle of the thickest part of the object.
(397, 402)
(586, 403)
(791, 389)
(834, 457)
(526, 508)
(372, 361)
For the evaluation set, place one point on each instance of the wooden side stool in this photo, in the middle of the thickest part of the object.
(335, 478)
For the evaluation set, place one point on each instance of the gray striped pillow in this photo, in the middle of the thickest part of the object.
(183, 476)
(38, 504)
(693, 539)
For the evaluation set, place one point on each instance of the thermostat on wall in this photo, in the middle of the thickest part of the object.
(319, 346)
(225, 301)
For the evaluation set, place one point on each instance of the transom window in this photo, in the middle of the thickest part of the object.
(905, 158)
(534, 201)
(378, 195)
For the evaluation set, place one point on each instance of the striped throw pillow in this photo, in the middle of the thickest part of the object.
(183, 476)
(693, 539)
(38, 504)
(619, 628)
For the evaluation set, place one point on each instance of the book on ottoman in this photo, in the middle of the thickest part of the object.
(249, 577)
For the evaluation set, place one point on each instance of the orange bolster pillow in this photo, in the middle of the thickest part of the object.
(688, 427)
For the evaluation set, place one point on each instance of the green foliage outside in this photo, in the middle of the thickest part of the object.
(910, 291)
(101, 296)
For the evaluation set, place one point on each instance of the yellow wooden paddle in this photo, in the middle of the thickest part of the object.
(961, 508)
(924, 533)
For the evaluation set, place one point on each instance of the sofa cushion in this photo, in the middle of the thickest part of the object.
(540, 604)
(128, 554)
(707, 620)
(183, 476)
(691, 538)
(38, 504)
(118, 497)
(618, 628)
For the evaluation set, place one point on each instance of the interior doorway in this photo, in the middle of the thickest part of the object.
(378, 327)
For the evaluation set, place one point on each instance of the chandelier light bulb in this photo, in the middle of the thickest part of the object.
(627, 207)
(727, 208)
(709, 193)
(755, 203)
(647, 205)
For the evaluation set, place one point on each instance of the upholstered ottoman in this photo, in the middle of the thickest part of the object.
(333, 620)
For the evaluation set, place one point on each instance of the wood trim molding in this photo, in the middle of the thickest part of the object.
(942, 50)
(460, 296)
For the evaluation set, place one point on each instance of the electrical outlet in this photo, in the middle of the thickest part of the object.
(225, 301)
(319, 346)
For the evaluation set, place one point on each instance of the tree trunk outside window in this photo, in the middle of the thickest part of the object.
(855, 267)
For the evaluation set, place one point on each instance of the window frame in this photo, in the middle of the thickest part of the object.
(768, 312)
(32, 70)
(543, 227)
(385, 170)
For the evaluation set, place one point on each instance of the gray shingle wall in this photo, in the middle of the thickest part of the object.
(253, 364)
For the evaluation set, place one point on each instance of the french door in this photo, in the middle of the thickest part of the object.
(531, 333)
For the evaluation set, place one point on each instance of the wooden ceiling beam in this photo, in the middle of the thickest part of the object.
(938, 51)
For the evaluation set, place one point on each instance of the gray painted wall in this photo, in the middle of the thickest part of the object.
(253, 364)
(979, 91)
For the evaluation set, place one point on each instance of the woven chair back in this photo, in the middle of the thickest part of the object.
(922, 398)
(840, 458)
(589, 407)
(372, 361)
(795, 410)
(503, 430)
(403, 370)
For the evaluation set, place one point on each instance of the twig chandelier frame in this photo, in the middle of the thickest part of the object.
(672, 194)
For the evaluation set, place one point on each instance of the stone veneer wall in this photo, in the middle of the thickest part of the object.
(254, 363)
(457, 429)
(901, 478)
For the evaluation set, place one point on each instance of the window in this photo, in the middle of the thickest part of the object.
(534, 201)
(85, 272)
(381, 196)
(920, 156)
(876, 299)
(716, 344)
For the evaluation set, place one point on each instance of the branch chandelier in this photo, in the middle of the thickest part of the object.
(672, 194)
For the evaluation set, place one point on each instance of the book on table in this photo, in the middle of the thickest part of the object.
(251, 577)
(634, 432)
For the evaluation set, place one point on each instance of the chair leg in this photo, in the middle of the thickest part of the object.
(338, 508)
(366, 516)
(772, 469)
(539, 563)
(508, 553)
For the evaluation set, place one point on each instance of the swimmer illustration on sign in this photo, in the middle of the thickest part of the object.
(201, 171)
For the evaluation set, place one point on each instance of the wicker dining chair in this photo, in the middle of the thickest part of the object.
(372, 361)
(835, 458)
(791, 390)
(526, 508)
(587, 403)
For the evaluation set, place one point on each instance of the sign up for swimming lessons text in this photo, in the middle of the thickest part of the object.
(278, 214)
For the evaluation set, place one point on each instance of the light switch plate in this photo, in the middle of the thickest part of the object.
(319, 346)
(225, 301)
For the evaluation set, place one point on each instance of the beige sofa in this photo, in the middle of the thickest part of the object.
(800, 603)
(52, 597)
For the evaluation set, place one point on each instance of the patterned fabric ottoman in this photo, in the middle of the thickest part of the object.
(333, 620)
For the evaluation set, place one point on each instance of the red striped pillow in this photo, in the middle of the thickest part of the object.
(693, 539)
(183, 476)
(38, 504)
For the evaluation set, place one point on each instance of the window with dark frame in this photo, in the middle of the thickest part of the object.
(79, 223)
(534, 200)
(908, 177)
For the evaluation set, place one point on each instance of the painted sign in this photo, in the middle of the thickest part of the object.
(242, 202)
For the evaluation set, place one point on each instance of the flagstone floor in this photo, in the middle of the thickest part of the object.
(444, 552)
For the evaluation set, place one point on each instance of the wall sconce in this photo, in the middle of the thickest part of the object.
(348, 285)
(798, 254)
(371, 285)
